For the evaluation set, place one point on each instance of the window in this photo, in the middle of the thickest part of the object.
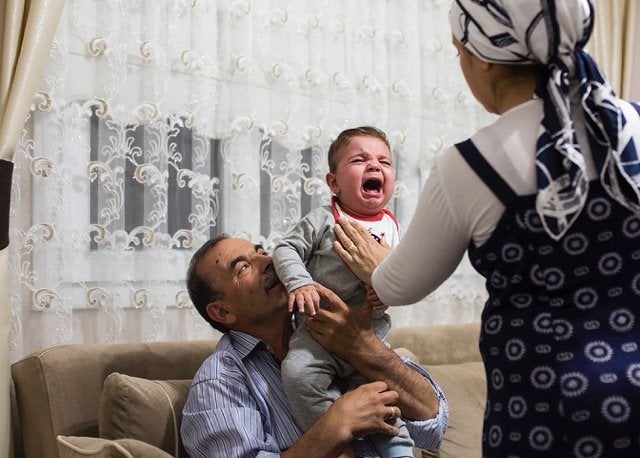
(127, 208)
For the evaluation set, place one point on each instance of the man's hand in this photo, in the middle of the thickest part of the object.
(305, 300)
(361, 411)
(366, 409)
(358, 249)
(348, 334)
(342, 331)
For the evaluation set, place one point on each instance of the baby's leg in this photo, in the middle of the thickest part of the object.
(308, 375)
(399, 446)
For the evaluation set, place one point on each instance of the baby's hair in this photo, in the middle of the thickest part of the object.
(345, 137)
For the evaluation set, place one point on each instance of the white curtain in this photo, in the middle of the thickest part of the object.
(159, 123)
(615, 43)
(26, 30)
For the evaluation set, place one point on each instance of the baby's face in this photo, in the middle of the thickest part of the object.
(364, 178)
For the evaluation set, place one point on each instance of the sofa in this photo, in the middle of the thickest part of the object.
(125, 400)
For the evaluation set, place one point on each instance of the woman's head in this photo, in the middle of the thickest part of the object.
(523, 31)
(552, 34)
(497, 87)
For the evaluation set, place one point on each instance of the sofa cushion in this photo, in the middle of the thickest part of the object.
(442, 344)
(57, 390)
(146, 410)
(465, 387)
(78, 447)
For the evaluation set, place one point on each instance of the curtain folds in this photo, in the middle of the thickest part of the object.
(27, 32)
(614, 45)
(29, 27)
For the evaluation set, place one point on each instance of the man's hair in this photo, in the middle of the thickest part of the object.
(345, 137)
(200, 291)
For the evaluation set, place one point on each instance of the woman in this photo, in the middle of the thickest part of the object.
(546, 200)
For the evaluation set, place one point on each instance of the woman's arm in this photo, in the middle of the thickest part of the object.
(429, 252)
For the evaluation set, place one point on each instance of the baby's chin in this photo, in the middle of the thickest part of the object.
(370, 207)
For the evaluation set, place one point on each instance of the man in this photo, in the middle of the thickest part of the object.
(236, 406)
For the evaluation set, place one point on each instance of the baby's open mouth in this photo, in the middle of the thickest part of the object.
(372, 184)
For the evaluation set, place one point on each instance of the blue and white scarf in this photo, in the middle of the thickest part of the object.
(553, 33)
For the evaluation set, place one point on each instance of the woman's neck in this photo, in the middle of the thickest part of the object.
(513, 88)
(514, 97)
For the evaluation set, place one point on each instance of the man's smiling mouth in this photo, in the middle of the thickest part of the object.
(271, 279)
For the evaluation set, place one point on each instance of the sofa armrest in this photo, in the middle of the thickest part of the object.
(57, 390)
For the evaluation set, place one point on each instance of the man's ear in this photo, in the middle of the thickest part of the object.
(332, 183)
(218, 312)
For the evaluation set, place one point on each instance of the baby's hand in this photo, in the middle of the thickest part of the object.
(374, 302)
(305, 299)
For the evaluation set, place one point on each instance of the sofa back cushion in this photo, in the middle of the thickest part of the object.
(145, 410)
(440, 344)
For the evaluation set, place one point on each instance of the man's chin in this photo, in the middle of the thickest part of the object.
(276, 289)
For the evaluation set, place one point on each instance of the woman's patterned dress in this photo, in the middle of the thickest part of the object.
(561, 328)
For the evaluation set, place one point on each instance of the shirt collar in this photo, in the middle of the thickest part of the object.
(244, 343)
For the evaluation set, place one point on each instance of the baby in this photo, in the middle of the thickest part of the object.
(361, 179)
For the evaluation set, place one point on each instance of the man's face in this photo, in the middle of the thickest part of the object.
(251, 293)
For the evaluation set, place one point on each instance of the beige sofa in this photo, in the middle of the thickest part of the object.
(125, 400)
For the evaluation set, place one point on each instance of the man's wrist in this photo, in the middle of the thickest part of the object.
(366, 350)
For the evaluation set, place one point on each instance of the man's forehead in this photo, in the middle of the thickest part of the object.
(227, 251)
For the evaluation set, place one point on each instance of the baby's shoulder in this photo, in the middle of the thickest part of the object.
(320, 215)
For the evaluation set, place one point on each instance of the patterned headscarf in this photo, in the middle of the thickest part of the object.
(553, 33)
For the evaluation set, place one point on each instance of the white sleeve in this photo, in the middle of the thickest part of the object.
(429, 251)
(455, 207)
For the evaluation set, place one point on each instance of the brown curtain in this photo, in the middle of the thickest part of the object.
(614, 45)
(26, 31)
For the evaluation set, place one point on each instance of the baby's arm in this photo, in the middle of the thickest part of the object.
(291, 255)
(305, 299)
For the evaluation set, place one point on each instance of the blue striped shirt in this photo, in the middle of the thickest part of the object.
(237, 406)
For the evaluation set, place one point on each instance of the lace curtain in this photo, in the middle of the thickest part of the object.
(160, 123)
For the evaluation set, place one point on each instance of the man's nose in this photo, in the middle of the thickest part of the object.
(265, 261)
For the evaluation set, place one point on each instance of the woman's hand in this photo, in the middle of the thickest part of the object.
(361, 252)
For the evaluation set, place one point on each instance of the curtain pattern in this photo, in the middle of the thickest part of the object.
(159, 123)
